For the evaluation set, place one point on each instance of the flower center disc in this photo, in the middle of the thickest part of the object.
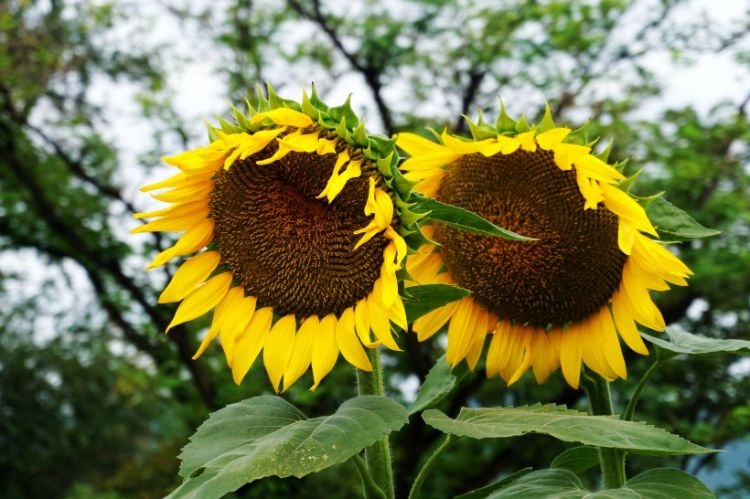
(566, 275)
(290, 250)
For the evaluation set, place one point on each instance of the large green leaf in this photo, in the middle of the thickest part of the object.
(483, 492)
(465, 219)
(563, 424)
(265, 436)
(438, 383)
(577, 459)
(422, 299)
(673, 223)
(683, 342)
(660, 483)
(668, 483)
(550, 484)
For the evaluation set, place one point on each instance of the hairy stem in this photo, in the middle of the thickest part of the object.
(612, 461)
(378, 455)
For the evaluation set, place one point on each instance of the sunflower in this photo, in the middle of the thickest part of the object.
(561, 300)
(291, 238)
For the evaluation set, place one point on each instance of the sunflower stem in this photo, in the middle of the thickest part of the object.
(378, 455)
(630, 409)
(428, 465)
(612, 461)
(370, 488)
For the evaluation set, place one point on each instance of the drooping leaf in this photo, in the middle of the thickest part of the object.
(267, 436)
(668, 483)
(673, 223)
(660, 483)
(438, 383)
(683, 342)
(558, 484)
(422, 299)
(466, 220)
(563, 424)
(577, 459)
(483, 492)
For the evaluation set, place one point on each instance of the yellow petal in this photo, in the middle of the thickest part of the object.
(379, 320)
(433, 321)
(284, 116)
(190, 275)
(610, 342)
(568, 154)
(278, 348)
(251, 343)
(176, 210)
(203, 299)
(625, 236)
(461, 331)
(302, 353)
(415, 144)
(325, 351)
(234, 295)
(462, 146)
(172, 181)
(551, 138)
(191, 192)
(596, 169)
(626, 326)
(527, 140)
(194, 239)
(623, 205)
(524, 337)
(571, 350)
(234, 320)
(362, 324)
(638, 301)
(496, 353)
(172, 223)
(348, 344)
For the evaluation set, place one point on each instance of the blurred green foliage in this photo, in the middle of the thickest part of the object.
(96, 402)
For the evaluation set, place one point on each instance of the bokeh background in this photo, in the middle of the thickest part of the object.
(96, 402)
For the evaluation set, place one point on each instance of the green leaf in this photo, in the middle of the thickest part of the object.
(659, 483)
(577, 459)
(683, 342)
(563, 424)
(438, 383)
(668, 483)
(423, 299)
(557, 484)
(265, 436)
(483, 492)
(465, 220)
(674, 223)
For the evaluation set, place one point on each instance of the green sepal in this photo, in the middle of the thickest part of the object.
(276, 102)
(227, 127)
(547, 122)
(345, 113)
(627, 184)
(240, 118)
(522, 125)
(604, 155)
(481, 130)
(504, 122)
(673, 223)
(415, 238)
(401, 184)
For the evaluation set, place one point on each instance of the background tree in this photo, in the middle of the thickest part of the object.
(84, 365)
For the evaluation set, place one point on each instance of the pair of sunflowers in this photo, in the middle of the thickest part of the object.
(301, 228)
